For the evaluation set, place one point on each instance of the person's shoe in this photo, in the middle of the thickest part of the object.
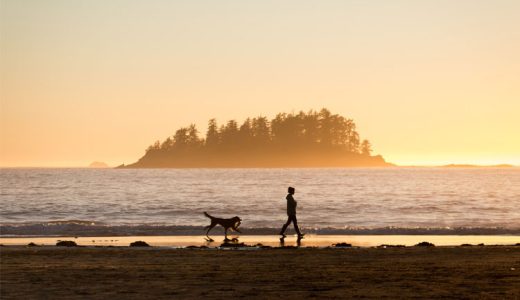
(283, 236)
(301, 236)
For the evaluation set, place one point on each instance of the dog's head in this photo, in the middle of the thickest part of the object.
(237, 221)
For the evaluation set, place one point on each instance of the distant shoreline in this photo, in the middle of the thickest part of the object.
(296, 160)
(476, 166)
(389, 165)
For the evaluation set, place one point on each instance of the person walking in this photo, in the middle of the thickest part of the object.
(291, 213)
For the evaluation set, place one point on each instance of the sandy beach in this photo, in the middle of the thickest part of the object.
(160, 273)
(310, 240)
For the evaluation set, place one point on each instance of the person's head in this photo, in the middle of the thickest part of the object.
(291, 190)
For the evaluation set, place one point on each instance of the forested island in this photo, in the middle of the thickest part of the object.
(312, 139)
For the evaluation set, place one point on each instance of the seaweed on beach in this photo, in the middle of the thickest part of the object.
(66, 244)
(196, 247)
(342, 245)
(139, 244)
(425, 244)
(234, 245)
(391, 246)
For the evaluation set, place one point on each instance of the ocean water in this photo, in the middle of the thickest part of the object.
(343, 200)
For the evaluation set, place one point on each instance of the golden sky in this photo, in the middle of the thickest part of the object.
(427, 82)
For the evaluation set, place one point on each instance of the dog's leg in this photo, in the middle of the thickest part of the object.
(225, 235)
(209, 229)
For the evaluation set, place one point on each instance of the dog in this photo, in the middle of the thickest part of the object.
(232, 223)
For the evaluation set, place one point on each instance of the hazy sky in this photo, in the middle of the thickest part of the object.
(427, 82)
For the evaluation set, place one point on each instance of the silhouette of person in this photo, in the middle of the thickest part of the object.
(291, 213)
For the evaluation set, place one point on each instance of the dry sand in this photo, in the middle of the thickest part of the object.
(159, 273)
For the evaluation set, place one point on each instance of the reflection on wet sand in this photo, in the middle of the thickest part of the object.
(274, 241)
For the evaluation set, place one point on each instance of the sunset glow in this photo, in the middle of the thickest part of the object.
(427, 82)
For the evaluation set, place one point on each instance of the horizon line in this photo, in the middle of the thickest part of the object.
(453, 165)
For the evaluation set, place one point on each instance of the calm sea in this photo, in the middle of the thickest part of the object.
(171, 201)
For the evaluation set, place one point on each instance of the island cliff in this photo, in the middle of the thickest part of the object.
(312, 139)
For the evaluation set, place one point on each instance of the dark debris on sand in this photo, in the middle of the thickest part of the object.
(425, 244)
(196, 247)
(139, 244)
(234, 245)
(391, 246)
(66, 244)
(342, 245)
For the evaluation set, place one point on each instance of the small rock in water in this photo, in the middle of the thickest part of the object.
(342, 245)
(466, 245)
(425, 244)
(66, 244)
(139, 244)
(31, 244)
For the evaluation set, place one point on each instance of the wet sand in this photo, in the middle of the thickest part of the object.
(310, 240)
(162, 273)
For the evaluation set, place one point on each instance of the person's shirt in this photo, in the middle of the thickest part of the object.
(291, 205)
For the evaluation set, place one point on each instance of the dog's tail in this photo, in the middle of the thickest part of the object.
(208, 215)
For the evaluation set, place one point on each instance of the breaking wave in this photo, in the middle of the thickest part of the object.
(93, 228)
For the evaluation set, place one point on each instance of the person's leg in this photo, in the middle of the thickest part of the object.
(295, 223)
(282, 232)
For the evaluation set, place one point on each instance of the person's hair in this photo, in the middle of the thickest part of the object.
(290, 190)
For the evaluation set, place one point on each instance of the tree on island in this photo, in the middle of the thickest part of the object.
(312, 139)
